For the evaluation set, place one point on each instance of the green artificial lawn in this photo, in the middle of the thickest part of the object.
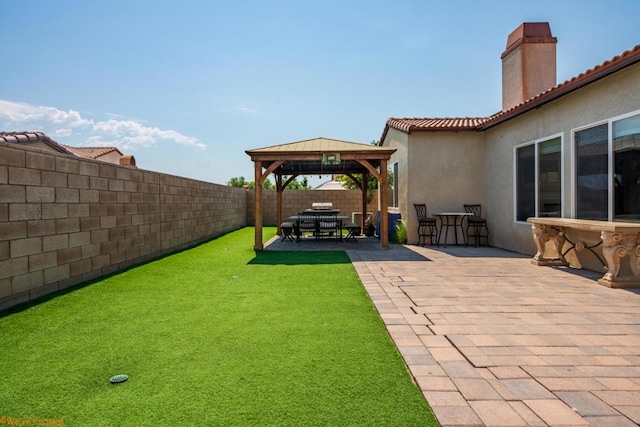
(214, 335)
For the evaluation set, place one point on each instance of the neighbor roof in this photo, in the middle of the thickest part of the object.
(615, 64)
(28, 137)
(92, 152)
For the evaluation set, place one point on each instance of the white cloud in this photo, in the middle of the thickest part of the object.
(124, 134)
(129, 134)
(64, 132)
(26, 115)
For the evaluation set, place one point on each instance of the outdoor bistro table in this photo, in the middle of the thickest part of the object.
(449, 220)
(319, 217)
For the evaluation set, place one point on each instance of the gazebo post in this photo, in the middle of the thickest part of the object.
(279, 190)
(365, 189)
(258, 208)
(384, 221)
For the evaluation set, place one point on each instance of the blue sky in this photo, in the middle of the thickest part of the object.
(187, 86)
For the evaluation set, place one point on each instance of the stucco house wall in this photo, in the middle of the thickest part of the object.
(444, 170)
(446, 163)
(111, 157)
(399, 141)
(607, 98)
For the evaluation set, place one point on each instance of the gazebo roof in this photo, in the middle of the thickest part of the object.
(320, 156)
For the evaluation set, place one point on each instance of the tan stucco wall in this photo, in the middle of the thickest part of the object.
(610, 97)
(441, 169)
(447, 169)
(111, 157)
(399, 141)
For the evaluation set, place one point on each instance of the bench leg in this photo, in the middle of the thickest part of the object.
(616, 246)
(541, 235)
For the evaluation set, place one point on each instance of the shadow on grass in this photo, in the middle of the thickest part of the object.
(300, 258)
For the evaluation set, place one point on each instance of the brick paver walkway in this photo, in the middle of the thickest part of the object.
(492, 340)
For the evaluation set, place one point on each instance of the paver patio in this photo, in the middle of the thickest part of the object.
(492, 340)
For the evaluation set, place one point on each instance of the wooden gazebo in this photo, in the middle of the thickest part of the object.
(320, 156)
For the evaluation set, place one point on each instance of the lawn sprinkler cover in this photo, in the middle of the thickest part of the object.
(118, 379)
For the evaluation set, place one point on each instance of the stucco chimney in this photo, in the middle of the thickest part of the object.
(528, 63)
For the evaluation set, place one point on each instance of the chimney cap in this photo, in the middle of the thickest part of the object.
(529, 32)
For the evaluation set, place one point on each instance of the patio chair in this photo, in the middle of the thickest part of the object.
(426, 225)
(353, 231)
(287, 231)
(476, 225)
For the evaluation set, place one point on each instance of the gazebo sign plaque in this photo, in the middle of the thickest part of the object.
(330, 158)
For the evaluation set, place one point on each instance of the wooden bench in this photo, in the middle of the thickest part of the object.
(619, 240)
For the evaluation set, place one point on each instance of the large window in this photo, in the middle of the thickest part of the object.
(608, 170)
(394, 202)
(538, 179)
(626, 157)
(592, 172)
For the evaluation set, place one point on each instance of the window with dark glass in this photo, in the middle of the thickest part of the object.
(525, 182)
(549, 178)
(626, 155)
(395, 185)
(592, 173)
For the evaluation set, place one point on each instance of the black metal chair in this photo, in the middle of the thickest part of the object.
(353, 231)
(426, 225)
(287, 231)
(476, 225)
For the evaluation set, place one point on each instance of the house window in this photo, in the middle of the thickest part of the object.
(626, 157)
(395, 185)
(538, 179)
(592, 166)
(608, 170)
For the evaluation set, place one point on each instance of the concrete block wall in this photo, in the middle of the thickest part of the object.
(65, 220)
(294, 201)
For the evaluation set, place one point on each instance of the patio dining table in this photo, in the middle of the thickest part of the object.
(318, 217)
(451, 220)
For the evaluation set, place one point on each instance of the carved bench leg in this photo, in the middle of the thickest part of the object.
(616, 246)
(541, 235)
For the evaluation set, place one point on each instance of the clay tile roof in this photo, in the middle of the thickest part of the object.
(91, 152)
(446, 123)
(596, 73)
(25, 137)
